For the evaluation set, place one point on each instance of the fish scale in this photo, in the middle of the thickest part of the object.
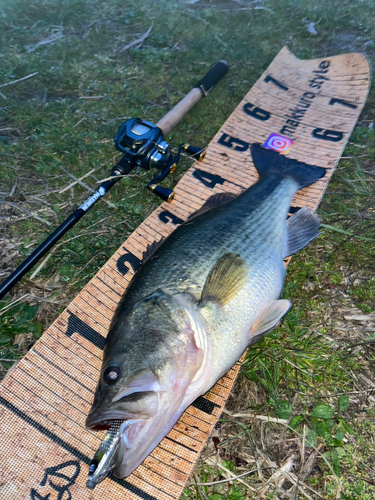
(209, 290)
(184, 247)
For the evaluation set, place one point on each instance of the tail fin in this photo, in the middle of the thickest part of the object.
(269, 162)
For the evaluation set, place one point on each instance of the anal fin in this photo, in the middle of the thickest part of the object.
(302, 227)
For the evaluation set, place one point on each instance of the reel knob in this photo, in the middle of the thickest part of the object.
(197, 153)
(164, 193)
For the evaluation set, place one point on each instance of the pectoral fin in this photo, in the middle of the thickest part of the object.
(270, 319)
(225, 279)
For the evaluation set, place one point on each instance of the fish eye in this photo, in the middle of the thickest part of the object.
(111, 374)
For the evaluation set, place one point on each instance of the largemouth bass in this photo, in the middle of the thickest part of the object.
(208, 292)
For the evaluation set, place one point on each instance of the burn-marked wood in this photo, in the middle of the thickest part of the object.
(166, 216)
(76, 325)
(133, 260)
(205, 405)
(46, 449)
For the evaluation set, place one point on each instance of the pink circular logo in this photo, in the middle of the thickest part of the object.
(278, 143)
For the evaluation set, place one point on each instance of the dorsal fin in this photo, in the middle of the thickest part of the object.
(151, 247)
(213, 201)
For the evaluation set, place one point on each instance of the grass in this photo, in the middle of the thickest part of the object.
(66, 115)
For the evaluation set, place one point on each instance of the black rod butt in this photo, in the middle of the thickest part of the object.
(213, 77)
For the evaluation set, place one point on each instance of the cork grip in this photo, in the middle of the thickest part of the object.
(175, 115)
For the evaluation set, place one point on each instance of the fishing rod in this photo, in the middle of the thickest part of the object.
(144, 146)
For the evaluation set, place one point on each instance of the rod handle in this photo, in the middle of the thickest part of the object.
(213, 77)
(175, 115)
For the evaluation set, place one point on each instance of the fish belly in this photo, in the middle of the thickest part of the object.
(230, 331)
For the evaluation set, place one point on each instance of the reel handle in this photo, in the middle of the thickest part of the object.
(170, 120)
(164, 193)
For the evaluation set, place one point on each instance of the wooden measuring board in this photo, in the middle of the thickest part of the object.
(45, 449)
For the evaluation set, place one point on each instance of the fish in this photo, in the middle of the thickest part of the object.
(200, 299)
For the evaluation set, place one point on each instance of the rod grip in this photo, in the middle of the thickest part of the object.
(171, 119)
(213, 77)
(175, 115)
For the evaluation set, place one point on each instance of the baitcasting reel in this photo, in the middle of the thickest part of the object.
(144, 146)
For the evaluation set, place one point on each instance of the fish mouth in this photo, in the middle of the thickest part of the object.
(126, 458)
(140, 437)
(131, 425)
(103, 420)
(132, 407)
